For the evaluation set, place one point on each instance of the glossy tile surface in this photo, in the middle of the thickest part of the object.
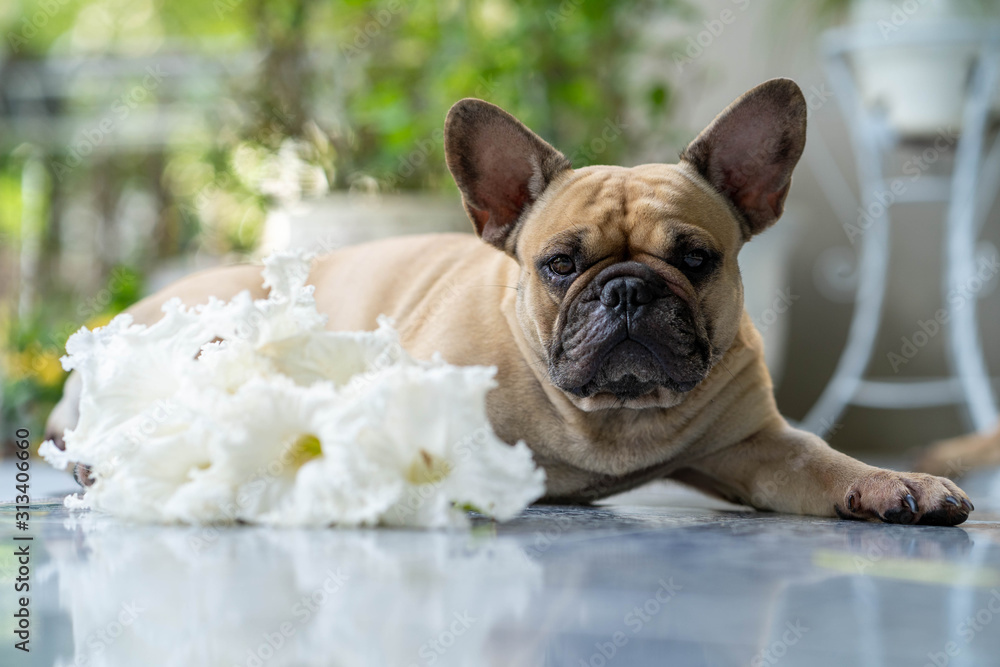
(659, 578)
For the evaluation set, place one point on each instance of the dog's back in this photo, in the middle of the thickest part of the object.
(439, 289)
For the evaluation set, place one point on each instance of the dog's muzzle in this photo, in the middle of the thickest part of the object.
(628, 333)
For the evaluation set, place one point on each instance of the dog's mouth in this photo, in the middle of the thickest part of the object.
(630, 370)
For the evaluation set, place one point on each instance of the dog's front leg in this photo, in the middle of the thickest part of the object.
(788, 470)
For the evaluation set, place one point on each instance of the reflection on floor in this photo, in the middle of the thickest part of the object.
(661, 577)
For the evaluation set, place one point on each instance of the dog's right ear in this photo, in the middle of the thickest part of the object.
(500, 166)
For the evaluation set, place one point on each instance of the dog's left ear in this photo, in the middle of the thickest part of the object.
(500, 166)
(750, 149)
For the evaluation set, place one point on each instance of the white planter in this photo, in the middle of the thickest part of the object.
(921, 88)
(341, 219)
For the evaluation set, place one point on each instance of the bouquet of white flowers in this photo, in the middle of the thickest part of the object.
(251, 411)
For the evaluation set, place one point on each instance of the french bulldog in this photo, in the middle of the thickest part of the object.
(610, 301)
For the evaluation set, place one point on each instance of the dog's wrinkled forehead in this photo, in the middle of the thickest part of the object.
(636, 210)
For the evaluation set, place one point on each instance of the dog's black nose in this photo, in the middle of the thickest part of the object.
(626, 293)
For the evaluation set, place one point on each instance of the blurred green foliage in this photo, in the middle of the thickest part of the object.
(31, 348)
(557, 66)
(376, 78)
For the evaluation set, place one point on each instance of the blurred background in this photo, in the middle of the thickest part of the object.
(144, 139)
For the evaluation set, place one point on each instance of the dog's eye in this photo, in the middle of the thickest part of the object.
(696, 259)
(562, 265)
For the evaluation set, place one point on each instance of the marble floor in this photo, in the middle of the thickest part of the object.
(660, 576)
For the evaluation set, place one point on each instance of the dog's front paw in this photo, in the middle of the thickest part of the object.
(898, 497)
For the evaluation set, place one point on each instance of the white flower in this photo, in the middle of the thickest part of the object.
(252, 411)
(428, 423)
(127, 370)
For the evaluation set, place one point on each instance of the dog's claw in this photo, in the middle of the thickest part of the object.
(850, 502)
(953, 500)
(968, 504)
(912, 502)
